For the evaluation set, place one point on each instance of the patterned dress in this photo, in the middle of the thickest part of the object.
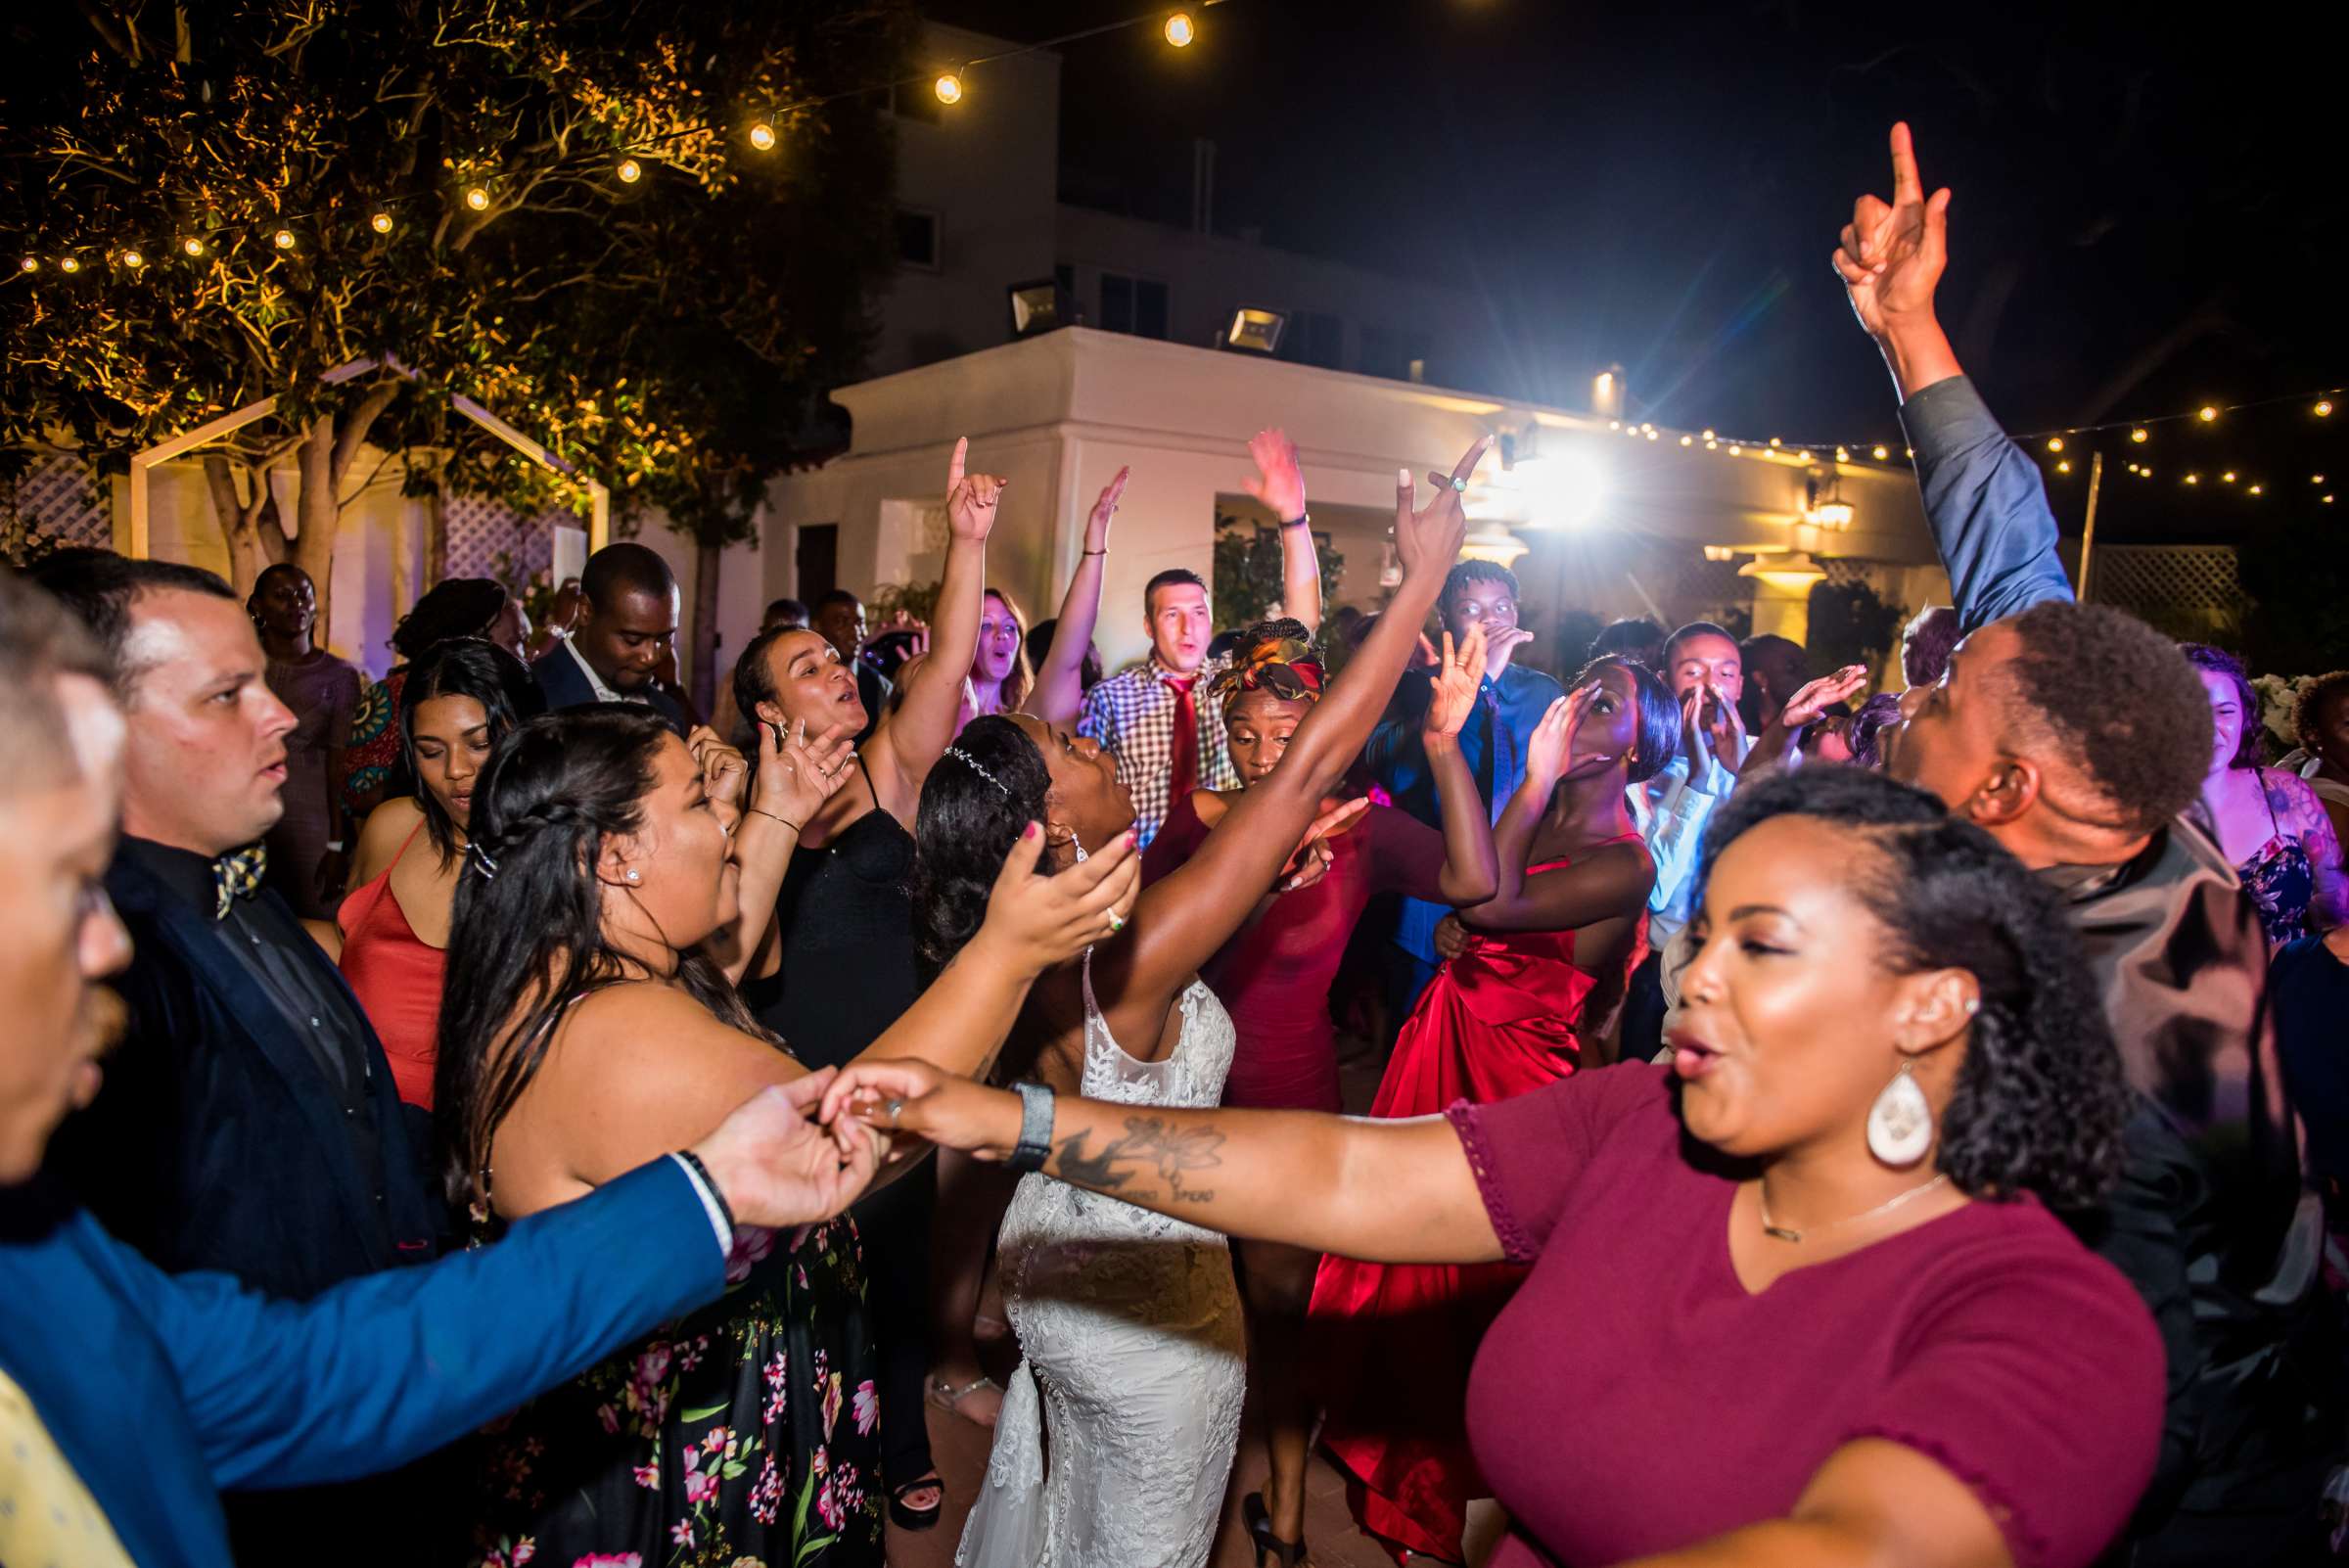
(746, 1433)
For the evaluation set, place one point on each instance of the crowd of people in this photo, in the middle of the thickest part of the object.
(491, 1116)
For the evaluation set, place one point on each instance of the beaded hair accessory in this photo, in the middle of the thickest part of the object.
(972, 763)
(482, 862)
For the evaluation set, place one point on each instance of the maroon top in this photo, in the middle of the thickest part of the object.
(1988, 1339)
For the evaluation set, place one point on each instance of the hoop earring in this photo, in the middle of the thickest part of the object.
(1900, 1124)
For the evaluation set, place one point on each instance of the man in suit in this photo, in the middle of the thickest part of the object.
(629, 608)
(129, 1398)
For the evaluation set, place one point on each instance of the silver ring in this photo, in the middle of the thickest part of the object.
(894, 1109)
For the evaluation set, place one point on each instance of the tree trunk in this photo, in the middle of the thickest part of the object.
(317, 516)
(249, 523)
(704, 680)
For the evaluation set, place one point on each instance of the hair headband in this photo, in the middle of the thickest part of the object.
(972, 763)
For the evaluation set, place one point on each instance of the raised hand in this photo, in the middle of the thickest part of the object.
(1892, 254)
(1097, 526)
(1459, 673)
(1725, 727)
(1501, 646)
(776, 1166)
(797, 775)
(1311, 860)
(1545, 749)
(971, 498)
(1279, 483)
(1034, 922)
(723, 771)
(1803, 709)
(1427, 540)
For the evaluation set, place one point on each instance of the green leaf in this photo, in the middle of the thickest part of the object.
(706, 1412)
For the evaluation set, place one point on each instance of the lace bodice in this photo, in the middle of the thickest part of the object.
(1130, 1325)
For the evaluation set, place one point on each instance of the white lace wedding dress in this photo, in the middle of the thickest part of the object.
(1118, 1429)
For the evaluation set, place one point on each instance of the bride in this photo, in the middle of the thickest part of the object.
(1117, 1432)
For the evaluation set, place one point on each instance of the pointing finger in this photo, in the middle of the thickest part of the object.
(954, 465)
(1906, 186)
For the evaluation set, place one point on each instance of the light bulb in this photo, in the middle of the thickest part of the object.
(631, 171)
(1687, 440)
(2259, 490)
(1180, 30)
(1708, 434)
(1651, 434)
(380, 222)
(31, 263)
(282, 238)
(1774, 443)
(1843, 454)
(2206, 413)
(1736, 451)
(478, 198)
(949, 88)
(1712, 445)
(2313, 478)
(193, 246)
(762, 136)
(2324, 407)
(69, 264)
(134, 260)
(2140, 435)
(2194, 478)
(2228, 476)
(1614, 424)
(1881, 453)
(2064, 467)
(2055, 443)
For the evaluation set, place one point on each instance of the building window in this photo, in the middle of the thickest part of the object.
(917, 238)
(1136, 305)
(1313, 338)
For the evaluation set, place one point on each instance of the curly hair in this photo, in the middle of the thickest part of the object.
(979, 797)
(527, 941)
(2116, 700)
(2219, 661)
(1467, 571)
(1927, 642)
(2040, 1100)
(2308, 714)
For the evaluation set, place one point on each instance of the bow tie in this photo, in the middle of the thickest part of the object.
(237, 876)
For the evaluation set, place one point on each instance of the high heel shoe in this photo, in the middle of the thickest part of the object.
(1270, 1547)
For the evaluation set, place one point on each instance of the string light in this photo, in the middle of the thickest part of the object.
(1614, 424)
(2140, 435)
(2228, 477)
(2132, 468)
(1652, 434)
(2324, 407)
(1775, 442)
(949, 88)
(380, 222)
(631, 171)
(68, 264)
(762, 136)
(1180, 30)
(2055, 443)
(192, 245)
(1881, 453)
(1708, 436)
(1842, 455)
(282, 238)
(1687, 440)
(2206, 413)
(2315, 478)
(134, 260)
(31, 263)
(2259, 490)
(2064, 467)
(2194, 478)
(1736, 451)
(478, 198)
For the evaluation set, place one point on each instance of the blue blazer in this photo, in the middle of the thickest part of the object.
(215, 1141)
(564, 685)
(162, 1391)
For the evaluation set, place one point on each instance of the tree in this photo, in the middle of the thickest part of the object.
(1850, 624)
(1247, 568)
(439, 183)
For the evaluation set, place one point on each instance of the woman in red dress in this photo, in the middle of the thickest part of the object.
(1275, 976)
(1539, 973)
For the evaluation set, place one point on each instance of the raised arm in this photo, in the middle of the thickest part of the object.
(1183, 919)
(795, 777)
(1395, 1191)
(1783, 737)
(1059, 691)
(921, 730)
(1470, 873)
(1280, 485)
(1983, 497)
(1613, 881)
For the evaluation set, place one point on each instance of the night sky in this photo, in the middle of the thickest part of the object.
(2147, 216)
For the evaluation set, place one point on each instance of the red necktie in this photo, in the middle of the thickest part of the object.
(1183, 776)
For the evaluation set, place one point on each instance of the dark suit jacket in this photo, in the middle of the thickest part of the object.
(163, 1390)
(216, 1141)
(564, 685)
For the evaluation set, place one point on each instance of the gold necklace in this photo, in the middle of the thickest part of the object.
(1779, 1233)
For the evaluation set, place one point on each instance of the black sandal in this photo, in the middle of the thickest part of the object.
(907, 1517)
(1270, 1547)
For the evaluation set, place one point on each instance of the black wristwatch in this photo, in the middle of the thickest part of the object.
(1297, 522)
(1035, 1128)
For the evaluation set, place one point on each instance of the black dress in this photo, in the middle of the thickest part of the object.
(846, 921)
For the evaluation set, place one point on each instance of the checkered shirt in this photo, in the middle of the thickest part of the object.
(1134, 715)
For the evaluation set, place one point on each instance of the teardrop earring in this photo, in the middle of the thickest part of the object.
(1900, 1124)
(1079, 845)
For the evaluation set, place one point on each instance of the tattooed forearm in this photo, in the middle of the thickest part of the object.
(1148, 1143)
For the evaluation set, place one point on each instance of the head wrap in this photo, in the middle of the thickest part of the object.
(1285, 666)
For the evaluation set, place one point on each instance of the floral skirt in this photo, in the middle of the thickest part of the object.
(745, 1434)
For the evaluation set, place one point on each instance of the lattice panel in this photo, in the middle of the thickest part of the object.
(59, 500)
(2148, 578)
(480, 529)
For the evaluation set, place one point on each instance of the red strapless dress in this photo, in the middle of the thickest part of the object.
(1395, 1343)
(396, 977)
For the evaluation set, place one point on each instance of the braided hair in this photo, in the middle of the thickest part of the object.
(527, 941)
(977, 798)
(2040, 1100)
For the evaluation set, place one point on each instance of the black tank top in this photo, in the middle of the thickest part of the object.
(846, 914)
